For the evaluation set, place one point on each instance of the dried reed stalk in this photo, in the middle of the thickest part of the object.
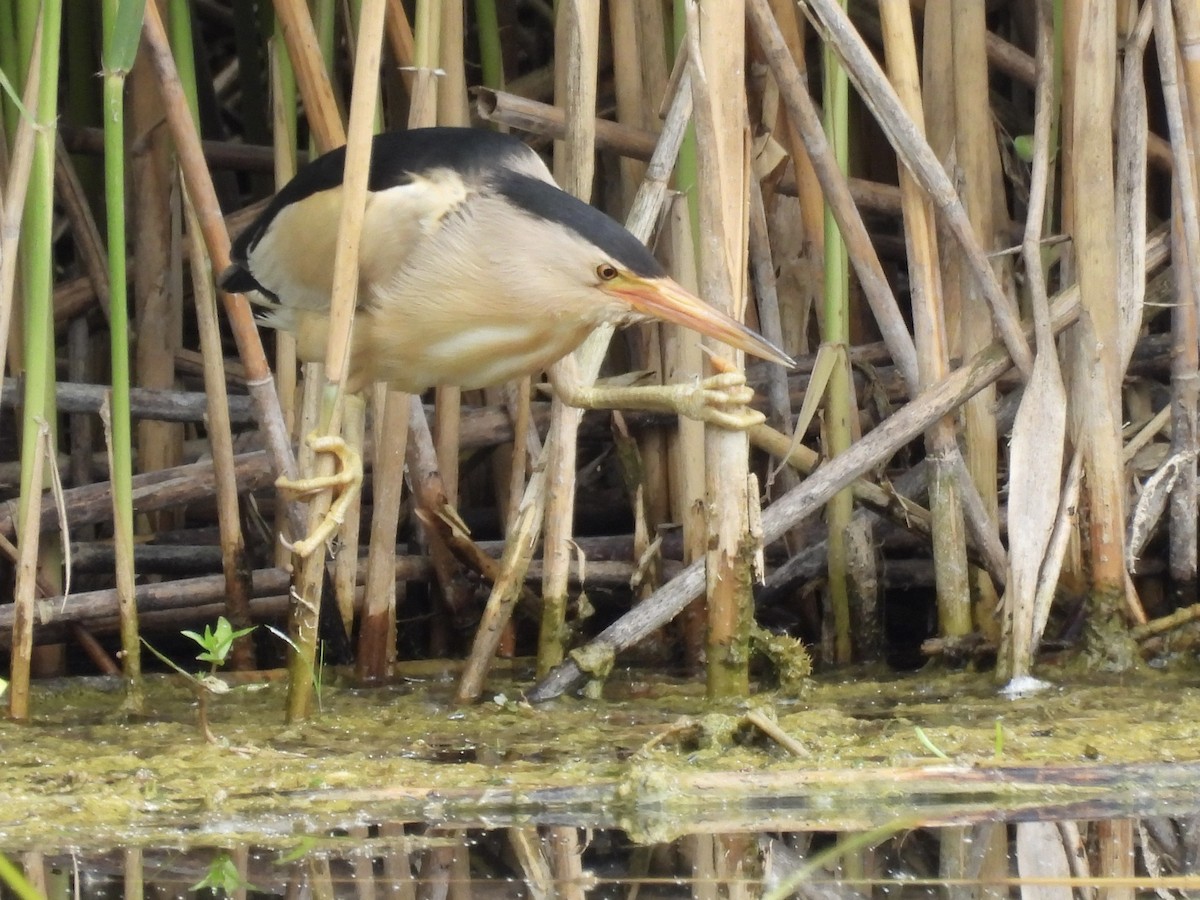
(716, 59)
(577, 34)
(303, 624)
(12, 203)
(304, 50)
(233, 546)
(1185, 350)
(377, 627)
(452, 109)
(26, 587)
(929, 333)
(1095, 379)
(682, 355)
(157, 289)
(377, 637)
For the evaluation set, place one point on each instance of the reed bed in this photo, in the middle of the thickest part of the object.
(976, 228)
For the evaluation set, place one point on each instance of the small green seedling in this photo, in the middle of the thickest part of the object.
(929, 744)
(215, 646)
(223, 876)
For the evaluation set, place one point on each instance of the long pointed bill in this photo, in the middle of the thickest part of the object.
(665, 299)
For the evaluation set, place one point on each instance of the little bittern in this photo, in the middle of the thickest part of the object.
(474, 268)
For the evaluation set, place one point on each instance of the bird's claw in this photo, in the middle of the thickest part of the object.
(345, 483)
(722, 400)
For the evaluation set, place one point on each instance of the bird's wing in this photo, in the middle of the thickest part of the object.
(417, 179)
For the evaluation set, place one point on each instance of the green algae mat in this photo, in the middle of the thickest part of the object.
(655, 759)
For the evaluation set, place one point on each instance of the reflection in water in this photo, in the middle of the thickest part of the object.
(1036, 859)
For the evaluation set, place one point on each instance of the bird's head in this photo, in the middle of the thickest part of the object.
(582, 248)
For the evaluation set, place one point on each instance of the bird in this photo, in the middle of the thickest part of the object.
(475, 268)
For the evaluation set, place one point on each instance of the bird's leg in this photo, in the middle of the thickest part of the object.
(722, 399)
(346, 482)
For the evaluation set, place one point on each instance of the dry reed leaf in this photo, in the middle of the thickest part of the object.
(1064, 528)
(828, 356)
(1035, 474)
(1041, 857)
(1151, 503)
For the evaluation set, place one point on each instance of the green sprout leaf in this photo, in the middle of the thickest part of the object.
(215, 645)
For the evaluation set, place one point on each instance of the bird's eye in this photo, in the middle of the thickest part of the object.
(606, 271)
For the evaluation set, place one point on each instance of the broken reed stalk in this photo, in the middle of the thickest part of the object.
(917, 156)
(929, 333)
(577, 34)
(199, 184)
(716, 58)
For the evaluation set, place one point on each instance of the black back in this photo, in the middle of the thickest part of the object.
(395, 155)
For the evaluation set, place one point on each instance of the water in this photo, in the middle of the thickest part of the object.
(909, 787)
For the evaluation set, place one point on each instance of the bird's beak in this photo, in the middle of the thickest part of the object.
(665, 299)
